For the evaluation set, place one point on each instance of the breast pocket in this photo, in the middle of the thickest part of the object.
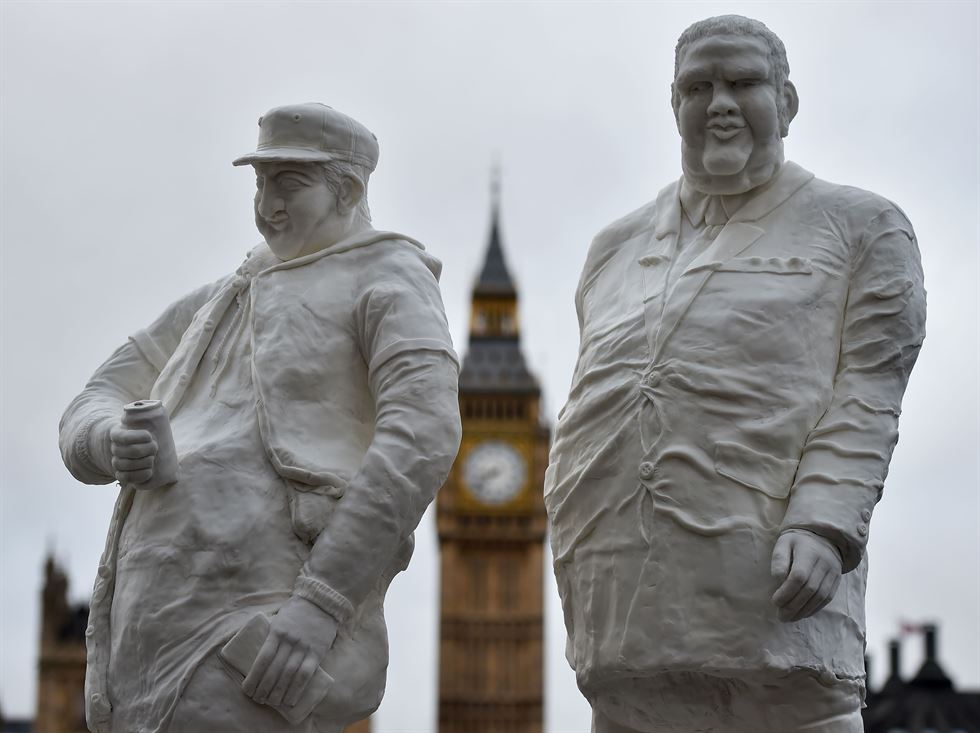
(654, 269)
(772, 265)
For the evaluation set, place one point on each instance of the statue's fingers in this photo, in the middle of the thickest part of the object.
(302, 679)
(129, 465)
(286, 678)
(134, 450)
(262, 661)
(272, 673)
(821, 598)
(791, 606)
(125, 436)
(781, 558)
(134, 477)
(799, 574)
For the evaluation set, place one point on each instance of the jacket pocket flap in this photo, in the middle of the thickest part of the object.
(775, 265)
(771, 475)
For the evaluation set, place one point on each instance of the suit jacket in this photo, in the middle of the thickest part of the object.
(758, 391)
(336, 405)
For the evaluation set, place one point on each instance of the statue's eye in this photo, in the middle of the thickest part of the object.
(698, 87)
(290, 184)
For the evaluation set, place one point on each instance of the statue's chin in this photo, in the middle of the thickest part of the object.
(284, 248)
(725, 162)
(729, 172)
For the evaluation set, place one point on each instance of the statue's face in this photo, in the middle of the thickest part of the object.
(727, 109)
(295, 210)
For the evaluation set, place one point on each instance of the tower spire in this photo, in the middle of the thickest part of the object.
(495, 186)
(495, 278)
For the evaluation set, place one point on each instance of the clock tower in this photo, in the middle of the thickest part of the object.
(491, 522)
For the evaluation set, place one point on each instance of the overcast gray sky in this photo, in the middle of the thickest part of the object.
(120, 121)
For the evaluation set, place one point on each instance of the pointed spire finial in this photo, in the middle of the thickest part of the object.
(494, 277)
(495, 183)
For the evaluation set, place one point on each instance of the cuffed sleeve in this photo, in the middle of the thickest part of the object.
(845, 459)
(84, 429)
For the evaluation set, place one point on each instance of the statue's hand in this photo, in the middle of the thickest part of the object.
(133, 454)
(299, 638)
(808, 569)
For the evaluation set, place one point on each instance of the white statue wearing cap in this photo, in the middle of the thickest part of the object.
(746, 340)
(284, 430)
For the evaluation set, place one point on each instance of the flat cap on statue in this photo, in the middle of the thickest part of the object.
(310, 133)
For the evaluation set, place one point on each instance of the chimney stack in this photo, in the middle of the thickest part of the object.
(931, 674)
(894, 685)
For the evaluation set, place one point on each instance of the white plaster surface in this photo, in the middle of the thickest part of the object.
(312, 401)
(746, 340)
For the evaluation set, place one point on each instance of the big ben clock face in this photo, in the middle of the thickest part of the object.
(494, 472)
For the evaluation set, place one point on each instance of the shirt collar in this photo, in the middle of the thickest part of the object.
(711, 209)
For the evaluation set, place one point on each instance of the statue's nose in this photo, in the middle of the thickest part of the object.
(269, 203)
(722, 101)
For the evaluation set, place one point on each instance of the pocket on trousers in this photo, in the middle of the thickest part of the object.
(310, 508)
(760, 471)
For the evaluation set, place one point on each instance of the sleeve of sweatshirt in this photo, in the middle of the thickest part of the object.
(413, 374)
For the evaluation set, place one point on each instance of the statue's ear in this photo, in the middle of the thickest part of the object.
(675, 104)
(350, 194)
(791, 105)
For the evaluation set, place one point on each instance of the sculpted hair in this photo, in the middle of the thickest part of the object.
(736, 25)
(335, 171)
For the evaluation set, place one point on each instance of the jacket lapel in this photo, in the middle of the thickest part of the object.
(655, 260)
(732, 240)
(737, 235)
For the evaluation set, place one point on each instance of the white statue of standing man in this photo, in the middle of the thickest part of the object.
(746, 340)
(312, 401)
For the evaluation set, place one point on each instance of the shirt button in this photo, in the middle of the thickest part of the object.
(209, 325)
(862, 529)
(183, 379)
(866, 515)
(646, 470)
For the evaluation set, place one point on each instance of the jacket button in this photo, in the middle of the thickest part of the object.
(209, 325)
(103, 571)
(866, 515)
(646, 470)
(862, 529)
(90, 631)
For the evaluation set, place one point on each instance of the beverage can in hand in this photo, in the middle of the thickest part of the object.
(150, 415)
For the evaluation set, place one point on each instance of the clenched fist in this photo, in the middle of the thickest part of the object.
(134, 453)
